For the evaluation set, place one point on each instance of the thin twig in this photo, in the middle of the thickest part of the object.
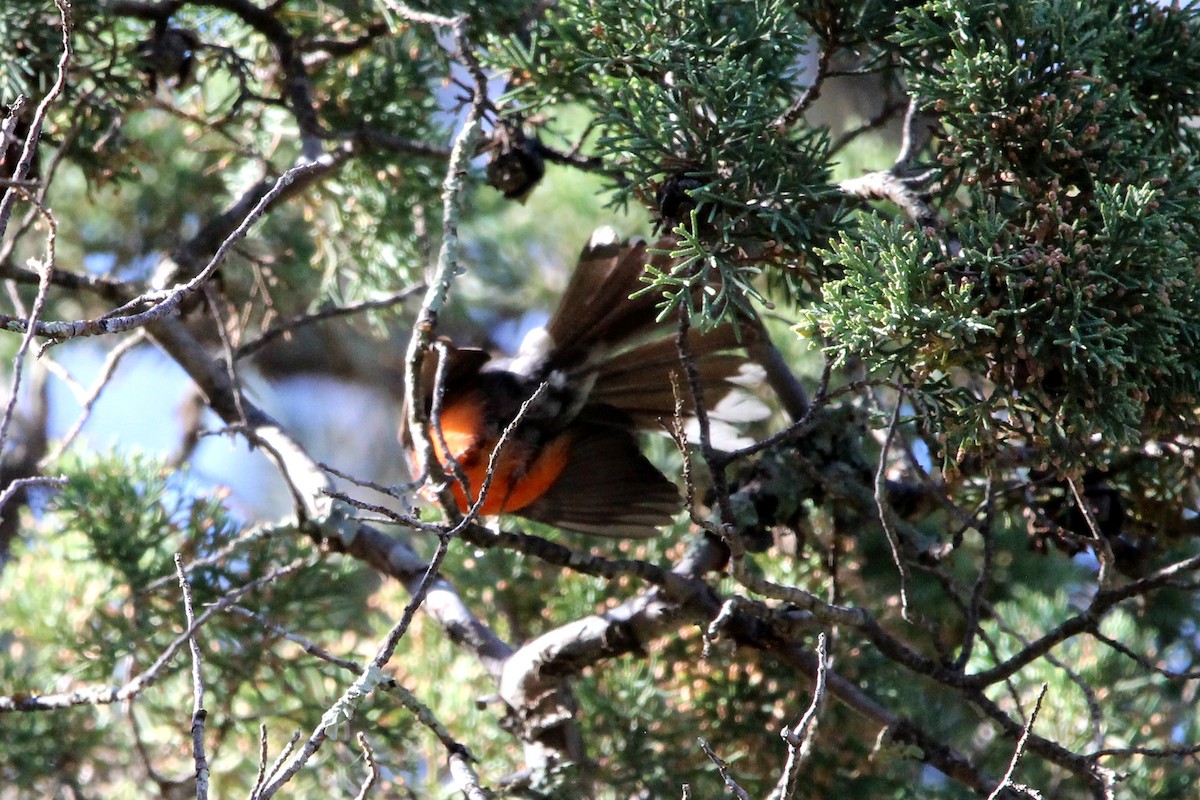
(386, 514)
(44, 268)
(886, 513)
(452, 468)
(103, 695)
(309, 646)
(494, 458)
(214, 308)
(372, 767)
(396, 491)
(1007, 781)
(811, 92)
(728, 532)
(39, 116)
(254, 534)
(800, 738)
(1103, 547)
(885, 114)
(11, 490)
(262, 759)
(723, 769)
(111, 361)
(983, 580)
(1189, 675)
(277, 764)
(164, 303)
(199, 714)
(1152, 752)
(301, 320)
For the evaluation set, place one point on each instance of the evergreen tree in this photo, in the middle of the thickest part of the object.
(955, 557)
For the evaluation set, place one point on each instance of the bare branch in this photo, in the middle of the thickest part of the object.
(730, 784)
(287, 326)
(800, 738)
(39, 116)
(16, 486)
(886, 113)
(44, 269)
(1007, 781)
(1103, 548)
(165, 303)
(372, 767)
(887, 515)
(88, 401)
(811, 92)
(199, 714)
(102, 695)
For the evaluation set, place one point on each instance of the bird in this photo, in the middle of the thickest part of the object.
(601, 371)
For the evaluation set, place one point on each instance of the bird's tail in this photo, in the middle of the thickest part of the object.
(601, 328)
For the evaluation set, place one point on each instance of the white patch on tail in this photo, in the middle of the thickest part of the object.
(604, 236)
(532, 353)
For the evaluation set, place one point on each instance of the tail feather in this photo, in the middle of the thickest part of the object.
(596, 308)
(602, 334)
(638, 381)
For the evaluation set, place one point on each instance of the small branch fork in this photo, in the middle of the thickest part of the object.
(800, 738)
(1007, 781)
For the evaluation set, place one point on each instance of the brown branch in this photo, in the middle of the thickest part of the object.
(731, 785)
(811, 92)
(39, 115)
(800, 738)
(88, 402)
(372, 767)
(1007, 781)
(301, 320)
(105, 288)
(889, 110)
(345, 47)
(385, 140)
(199, 714)
(165, 303)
